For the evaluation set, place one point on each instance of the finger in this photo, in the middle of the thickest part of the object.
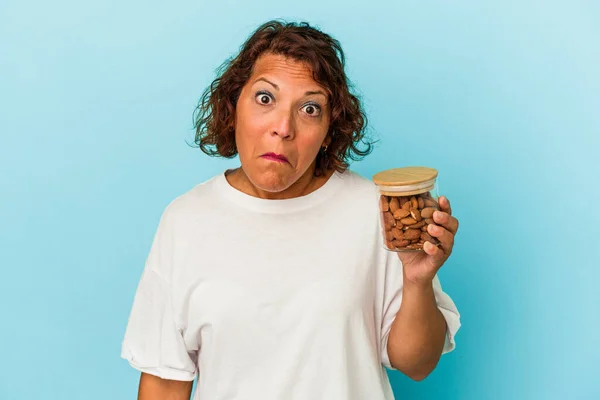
(434, 251)
(437, 256)
(445, 238)
(446, 220)
(445, 204)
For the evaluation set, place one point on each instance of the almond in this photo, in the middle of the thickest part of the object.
(418, 225)
(414, 203)
(384, 204)
(389, 219)
(428, 220)
(394, 204)
(403, 200)
(406, 205)
(397, 233)
(415, 214)
(402, 243)
(408, 221)
(401, 213)
(426, 236)
(421, 203)
(389, 236)
(411, 234)
(427, 212)
(432, 203)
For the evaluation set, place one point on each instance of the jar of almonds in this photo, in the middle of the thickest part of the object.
(408, 198)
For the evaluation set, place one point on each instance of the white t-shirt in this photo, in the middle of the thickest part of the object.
(272, 299)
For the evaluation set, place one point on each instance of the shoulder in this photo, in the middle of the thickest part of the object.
(198, 199)
(358, 191)
(358, 184)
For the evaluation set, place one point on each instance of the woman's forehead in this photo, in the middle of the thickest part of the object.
(275, 67)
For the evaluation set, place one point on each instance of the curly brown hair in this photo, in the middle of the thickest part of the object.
(214, 122)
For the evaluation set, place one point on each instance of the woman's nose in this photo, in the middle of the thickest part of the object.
(283, 125)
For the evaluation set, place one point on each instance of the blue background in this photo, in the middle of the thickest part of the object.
(502, 97)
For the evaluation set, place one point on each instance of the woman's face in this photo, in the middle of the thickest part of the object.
(280, 110)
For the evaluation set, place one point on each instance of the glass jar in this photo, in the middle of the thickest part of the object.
(408, 198)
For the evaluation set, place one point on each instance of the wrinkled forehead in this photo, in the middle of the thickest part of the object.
(285, 70)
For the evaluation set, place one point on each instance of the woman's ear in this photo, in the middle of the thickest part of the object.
(328, 140)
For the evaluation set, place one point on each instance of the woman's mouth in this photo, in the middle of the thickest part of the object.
(275, 157)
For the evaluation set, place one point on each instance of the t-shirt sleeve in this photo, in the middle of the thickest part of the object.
(392, 298)
(153, 342)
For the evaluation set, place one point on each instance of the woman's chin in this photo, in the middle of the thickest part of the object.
(272, 181)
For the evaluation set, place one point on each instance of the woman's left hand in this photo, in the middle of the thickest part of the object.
(420, 267)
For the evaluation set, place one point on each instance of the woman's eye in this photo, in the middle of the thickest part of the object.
(312, 109)
(263, 98)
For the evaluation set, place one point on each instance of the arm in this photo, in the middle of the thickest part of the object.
(417, 335)
(418, 332)
(155, 388)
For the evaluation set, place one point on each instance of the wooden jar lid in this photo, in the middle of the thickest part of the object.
(406, 181)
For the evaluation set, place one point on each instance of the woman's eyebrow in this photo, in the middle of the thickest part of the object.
(268, 81)
(315, 92)
(310, 92)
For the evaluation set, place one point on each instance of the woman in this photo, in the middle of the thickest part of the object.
(271, 281)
